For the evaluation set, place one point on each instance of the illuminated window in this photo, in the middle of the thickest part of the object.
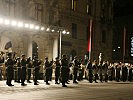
(74, 5)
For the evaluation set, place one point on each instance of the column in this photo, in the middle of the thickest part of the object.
(29, 49)
(55, 48)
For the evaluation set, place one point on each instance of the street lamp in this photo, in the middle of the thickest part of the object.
(48, 29)
(1, 20)
(7, 22)
(20, 24)
(13, 23)
(68, 33)
(26, 25)
(60, 33)
(31, 26)
(114, 50)
(37, 27)
(52, 30)
(42, 28)
(119, 47)
(64, 32)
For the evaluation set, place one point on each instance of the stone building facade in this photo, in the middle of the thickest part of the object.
(72, 15)
(75, 15)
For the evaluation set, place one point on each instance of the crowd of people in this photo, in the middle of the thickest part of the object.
(105, 71)
(20, 69)
(23, 67)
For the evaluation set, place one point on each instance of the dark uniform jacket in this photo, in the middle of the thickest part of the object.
(47, 68)
(9, 67)
(76, 64)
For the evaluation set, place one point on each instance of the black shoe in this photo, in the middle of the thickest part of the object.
(57, 83)
(23, 84)
(90, 81)
(64, 85)
(75, 82)
(29, 82)
(10, 85)
(96, 82)
(47, 83)
(36, 84)
(18, 82)
(67, 83)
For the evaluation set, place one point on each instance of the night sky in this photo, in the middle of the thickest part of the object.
(123, 8)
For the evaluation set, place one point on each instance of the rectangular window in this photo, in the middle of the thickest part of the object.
(10, 7)
(103, 37)
(103, 9)
(74, 5)
(74, 30)
(38, 12)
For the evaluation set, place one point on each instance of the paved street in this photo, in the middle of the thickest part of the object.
(82, 91)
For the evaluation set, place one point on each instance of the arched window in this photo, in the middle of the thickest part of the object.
(34, 49)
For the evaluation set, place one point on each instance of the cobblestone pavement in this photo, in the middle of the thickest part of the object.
(83, 91)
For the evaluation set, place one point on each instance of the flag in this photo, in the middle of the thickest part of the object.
(89, 37)
(8, 45)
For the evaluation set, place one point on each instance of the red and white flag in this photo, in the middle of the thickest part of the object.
(90, 37)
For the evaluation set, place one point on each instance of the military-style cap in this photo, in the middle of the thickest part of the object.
(18, 58)
(63, 55)
(29, 58)
(1, 52)
(22, 55)
(9, 54)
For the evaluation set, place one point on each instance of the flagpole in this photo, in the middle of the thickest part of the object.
(124, 39)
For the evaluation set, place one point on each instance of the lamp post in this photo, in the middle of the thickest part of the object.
(60, 37)
(60, 33)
